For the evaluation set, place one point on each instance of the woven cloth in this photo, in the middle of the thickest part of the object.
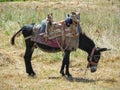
(58, 36)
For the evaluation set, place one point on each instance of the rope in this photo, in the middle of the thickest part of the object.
(61, 48)
(68, 43)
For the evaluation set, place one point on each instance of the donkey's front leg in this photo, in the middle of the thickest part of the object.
(62, 67)
(65, 62)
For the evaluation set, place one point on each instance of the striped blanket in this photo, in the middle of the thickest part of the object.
(58, 35)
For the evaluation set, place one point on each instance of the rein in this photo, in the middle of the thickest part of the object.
(90, 60)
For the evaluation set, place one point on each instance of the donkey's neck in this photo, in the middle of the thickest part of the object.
(86, 44)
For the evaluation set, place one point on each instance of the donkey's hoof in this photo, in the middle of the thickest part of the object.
(69, 75)
(32, 74)
(62, 73)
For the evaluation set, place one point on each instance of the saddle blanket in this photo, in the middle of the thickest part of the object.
(58, 39)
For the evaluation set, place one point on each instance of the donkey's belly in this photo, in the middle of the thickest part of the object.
(47, 48)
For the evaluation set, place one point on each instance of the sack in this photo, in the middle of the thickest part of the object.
(55, 30)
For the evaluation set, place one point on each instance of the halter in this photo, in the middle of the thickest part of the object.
(90, 60)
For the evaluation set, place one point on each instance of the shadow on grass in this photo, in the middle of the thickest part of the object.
(84, 80)
(74, 79)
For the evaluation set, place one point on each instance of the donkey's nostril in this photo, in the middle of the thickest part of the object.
(93, 68)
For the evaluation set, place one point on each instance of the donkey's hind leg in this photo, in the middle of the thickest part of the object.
(28, 56)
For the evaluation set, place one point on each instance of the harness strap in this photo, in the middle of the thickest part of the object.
(91, 55)
(28, 37)
(93, 63)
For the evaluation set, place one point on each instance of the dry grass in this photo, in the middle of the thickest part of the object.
(12, 68)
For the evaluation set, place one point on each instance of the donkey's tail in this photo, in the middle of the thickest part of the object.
(13, 37)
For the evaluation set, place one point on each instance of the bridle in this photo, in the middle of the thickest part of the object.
(90, 59)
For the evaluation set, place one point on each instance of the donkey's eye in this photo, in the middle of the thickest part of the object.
(96, 58)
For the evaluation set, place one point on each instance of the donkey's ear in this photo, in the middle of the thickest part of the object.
(103, 49)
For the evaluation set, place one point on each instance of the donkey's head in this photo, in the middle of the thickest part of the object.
(94, 58)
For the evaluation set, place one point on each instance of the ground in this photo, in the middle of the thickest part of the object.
(47, 65)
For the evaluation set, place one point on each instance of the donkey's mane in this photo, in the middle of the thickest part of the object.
(84, 35)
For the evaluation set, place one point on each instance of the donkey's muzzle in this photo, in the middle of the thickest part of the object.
(93, 69)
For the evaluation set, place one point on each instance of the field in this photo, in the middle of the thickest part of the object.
(100, 20)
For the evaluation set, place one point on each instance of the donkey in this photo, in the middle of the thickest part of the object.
(85, 44)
